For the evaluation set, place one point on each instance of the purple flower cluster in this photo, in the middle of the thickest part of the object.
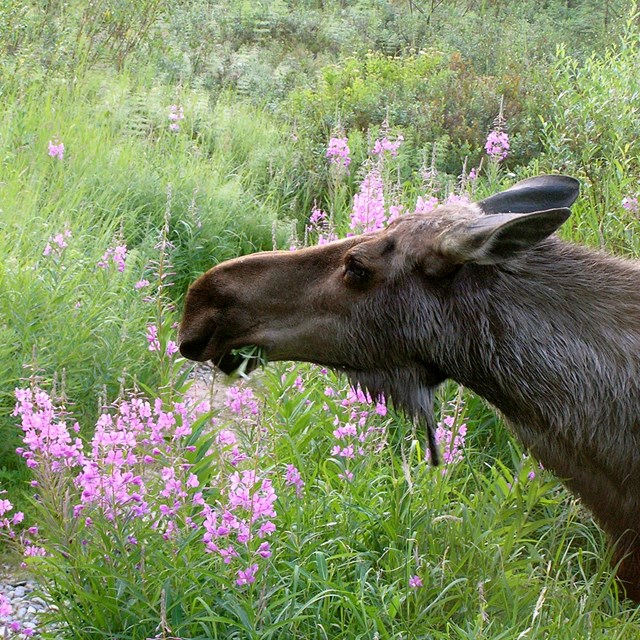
(320, 227)
(338, 152)
(56, 149)
(46, 436)
(294, 479)
(13, 626)
(497, 145)
(239, 524)
(630, 203)
(118, 256)
(7, 522)
(415, 582)
(358, 435)
(57, 244)
(383, 145)
(450, 437)
(426, 204)
(154, 342)
(176, 114)
(242, 401)
(135, 469)
(368, 213)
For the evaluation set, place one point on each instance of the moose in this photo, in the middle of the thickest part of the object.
(546, 331)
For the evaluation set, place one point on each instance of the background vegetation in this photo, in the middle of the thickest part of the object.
(197, 131)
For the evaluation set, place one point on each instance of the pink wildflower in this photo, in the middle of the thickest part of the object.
(293, 478)
(497, 145)
(415, 582)
(451, 438)
(380, 146)
(57, 243)
(425, 205)
(454, 198)
(247, 576)
(141, 284)
(56, 149)
(117, 254)
(630, 204)
(338, 152)
(242, 402)
(152, 338)
(368, 212)
(176, 113)
(172, 348)
(5, 607)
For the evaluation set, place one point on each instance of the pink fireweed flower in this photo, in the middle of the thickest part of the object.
(497, 145)
(118, 256)
(152, 338)
(57, 243)
(141, 284)
(454, 198)
(172, 348)
(320, 226)
(294, 478)
(386, 145)
(415, 582)
(368, 213)
(46, 436)
(395, 211)
(176, 113)
(338, 152)
(451, 440)
(56, 149)
(5, 507)
(425, 205)
(630, 204)
(247, 576)
(242, 402)
(5, 608)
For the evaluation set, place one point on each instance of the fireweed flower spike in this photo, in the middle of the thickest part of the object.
(630, 204)
(57, 244)
(56, 149)
(117, 254)
(176, 113)
(368, 212)
(497, 145)
(338, 152)
(415, 582)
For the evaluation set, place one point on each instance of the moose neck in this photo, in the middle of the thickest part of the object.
(552, 339)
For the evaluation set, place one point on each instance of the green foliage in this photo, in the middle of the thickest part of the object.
(501, 551)
(262, 87)
(592, 125)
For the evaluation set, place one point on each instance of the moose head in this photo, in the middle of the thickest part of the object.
(484, 294)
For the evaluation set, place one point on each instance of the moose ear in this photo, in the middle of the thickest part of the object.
(534, 194)
(492, 239)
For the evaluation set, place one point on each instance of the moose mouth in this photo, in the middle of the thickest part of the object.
(243, 361)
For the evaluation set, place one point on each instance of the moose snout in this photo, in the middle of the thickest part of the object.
(194, 348)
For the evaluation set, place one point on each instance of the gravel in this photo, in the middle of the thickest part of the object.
(26, 605)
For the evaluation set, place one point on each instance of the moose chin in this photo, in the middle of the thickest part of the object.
(546, 331)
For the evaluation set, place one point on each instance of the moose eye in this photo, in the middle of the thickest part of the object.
(355, 272)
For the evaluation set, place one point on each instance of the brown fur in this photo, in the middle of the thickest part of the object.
(546, 331)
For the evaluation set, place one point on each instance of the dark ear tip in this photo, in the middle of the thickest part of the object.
(540, 193)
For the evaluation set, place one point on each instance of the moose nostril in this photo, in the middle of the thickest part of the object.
(194, 348)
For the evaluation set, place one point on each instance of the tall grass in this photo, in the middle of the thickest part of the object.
(122, 170)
